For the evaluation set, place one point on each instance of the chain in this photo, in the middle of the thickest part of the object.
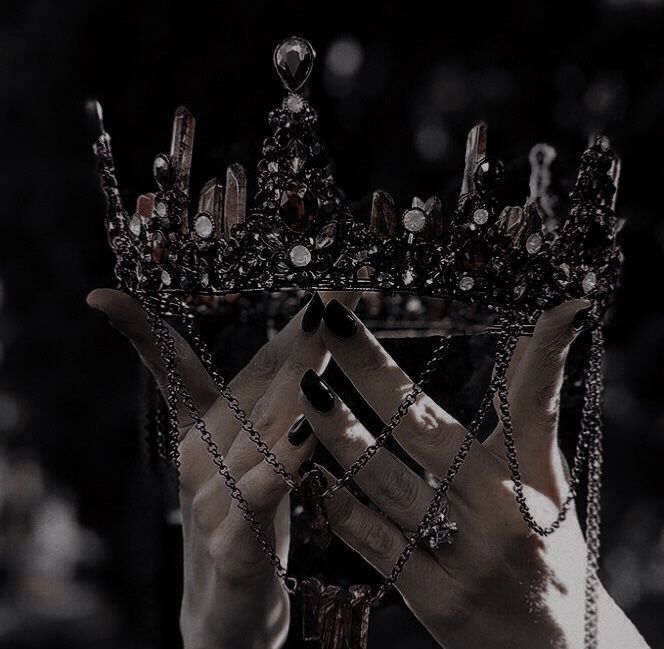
(504, 352)
(201, 348)
(166, 344)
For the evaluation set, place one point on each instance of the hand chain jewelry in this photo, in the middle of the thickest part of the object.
(498, 384)
(200, 347)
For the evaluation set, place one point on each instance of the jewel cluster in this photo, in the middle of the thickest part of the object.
(300, 233)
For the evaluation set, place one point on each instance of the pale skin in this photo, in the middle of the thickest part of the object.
(499, 585)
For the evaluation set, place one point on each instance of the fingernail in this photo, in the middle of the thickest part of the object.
(313, 314)
(581, 319)
(299, 432)
(317, 392)
(339, 320)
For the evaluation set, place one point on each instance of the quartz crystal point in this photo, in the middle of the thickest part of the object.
(211, 201)
(475, 152)
(383, 219)
(312, 486)
(294, 60)
(235, 203)
(182, 144)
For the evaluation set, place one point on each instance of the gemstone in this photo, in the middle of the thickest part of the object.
(203, 226)
(300, 255)
(480, 216)
(273, 167)
(534, 243)
(408, 276)
(161, 170)
(466, 283)
(294, 60)
(488, 174)
(327, 235)
(297, 156)
(519, 290)
(414, 220)
(158, 247)
(160, 208)
(298, 206)
(589, 282)
(294, 103)
(165, 278)
(135, 225)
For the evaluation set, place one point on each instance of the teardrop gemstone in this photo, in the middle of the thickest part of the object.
(294, 60)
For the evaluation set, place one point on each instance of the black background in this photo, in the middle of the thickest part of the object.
(551, 72)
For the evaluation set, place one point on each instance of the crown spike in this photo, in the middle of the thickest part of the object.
(475, 152)
(211, 204)
(383, 219)
(235, 203)
(95, 116)
(182, 143)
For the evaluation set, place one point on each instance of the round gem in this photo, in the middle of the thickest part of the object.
(135, 225)
(203, 226)
(161, 170)
(300, 256)
(466, 283)
(165, 278)
(414, 220)
(160, 208)
(589, 282)
(294, 103)
(273, 167)
(534, 243)
(480, 216)
(488, 174)
(294, 60)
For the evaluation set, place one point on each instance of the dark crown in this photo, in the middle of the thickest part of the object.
(300, 233)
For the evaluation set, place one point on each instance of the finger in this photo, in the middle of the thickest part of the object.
(397, 490)
(535, 390)
(427, 432)
(379, 542)
(128, 316)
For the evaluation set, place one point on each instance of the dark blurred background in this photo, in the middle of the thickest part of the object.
(88, 553)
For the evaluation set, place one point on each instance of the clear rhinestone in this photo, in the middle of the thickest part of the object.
(480, 216)
(160, 208)
(203, 226)
(589, 282)
(294, 103)
(414, 220)
(300, 256)
(165, 278)
(273, 167)
(534, 243)
(466, 283)
(135, 225)
(161, 169)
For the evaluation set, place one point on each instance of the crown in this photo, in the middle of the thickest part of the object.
(299, 232)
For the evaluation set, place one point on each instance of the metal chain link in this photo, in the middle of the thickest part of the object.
(176, 387)
(201, 348)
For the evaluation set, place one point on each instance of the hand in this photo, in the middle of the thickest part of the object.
(232, 598)
(499, 585)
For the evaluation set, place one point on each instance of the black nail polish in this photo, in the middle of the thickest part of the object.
(317, 392)
(313, 314)
(339, 320)
(299, 432)
(581, 319)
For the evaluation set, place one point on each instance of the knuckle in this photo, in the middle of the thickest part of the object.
(265, 362)
(399, 487)
(381, 542)
(263, 416)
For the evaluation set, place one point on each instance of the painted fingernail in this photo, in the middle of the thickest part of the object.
(313, 314)
(339, 320)
(317, 392)
(581, 319)
(299, 432)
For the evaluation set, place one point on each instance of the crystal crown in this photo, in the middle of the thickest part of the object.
(299, 232)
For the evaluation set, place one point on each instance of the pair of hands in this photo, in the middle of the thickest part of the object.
(498, 585)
